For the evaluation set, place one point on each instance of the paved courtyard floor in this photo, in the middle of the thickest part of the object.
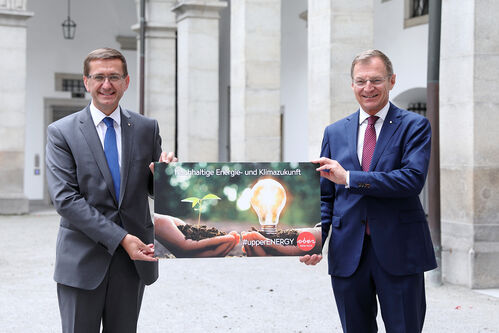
(210, 295)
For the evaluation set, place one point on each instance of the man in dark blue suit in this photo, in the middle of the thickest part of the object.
(373, 166)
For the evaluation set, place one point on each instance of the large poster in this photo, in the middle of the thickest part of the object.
(236, 209)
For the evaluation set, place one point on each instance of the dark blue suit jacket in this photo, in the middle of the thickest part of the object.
(387, 196)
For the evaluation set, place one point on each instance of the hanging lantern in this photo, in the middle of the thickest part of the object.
(68, 26)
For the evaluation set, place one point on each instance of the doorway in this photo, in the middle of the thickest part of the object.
(55, 109)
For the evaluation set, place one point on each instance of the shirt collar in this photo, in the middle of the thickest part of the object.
(363, 115)
(98, 115)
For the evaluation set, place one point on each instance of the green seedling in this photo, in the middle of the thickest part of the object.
(199, 203)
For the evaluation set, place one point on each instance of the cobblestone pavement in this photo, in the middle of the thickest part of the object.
(209, 295)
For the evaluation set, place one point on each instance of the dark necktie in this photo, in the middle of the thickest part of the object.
(368, 150)
(369, 143)
(111, 151)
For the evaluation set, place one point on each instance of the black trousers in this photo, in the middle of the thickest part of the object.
(115, 302)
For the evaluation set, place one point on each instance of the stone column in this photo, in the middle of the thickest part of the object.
(159, 87)
(255, 133)
(469, 152)
(337, 31)
(198, 63)
(13, 16)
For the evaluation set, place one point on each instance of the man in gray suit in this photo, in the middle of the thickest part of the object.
(99, 172)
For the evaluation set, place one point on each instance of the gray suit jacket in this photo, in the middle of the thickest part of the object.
(93, 221)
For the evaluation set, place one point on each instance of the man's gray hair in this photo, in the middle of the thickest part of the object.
(365, 56)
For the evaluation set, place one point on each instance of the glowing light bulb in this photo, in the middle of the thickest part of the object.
(268, 198)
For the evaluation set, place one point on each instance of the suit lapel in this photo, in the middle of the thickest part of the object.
(89, 132)
(127, 132)
(352, 128)
(390, 125)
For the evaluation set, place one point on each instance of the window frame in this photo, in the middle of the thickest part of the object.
(409, 19)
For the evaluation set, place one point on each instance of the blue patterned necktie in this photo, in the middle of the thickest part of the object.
(111, 151)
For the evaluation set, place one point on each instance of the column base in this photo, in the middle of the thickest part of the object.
(475, 268)
(485, 266)
(13, 204)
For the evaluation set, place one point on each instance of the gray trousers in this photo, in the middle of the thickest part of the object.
(115, 302)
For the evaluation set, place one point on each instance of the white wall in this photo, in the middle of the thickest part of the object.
(98, 23)
(294, 80)
(406, 48)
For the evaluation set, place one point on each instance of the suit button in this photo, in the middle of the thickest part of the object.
(363, 221)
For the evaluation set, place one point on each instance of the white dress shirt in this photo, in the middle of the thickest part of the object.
(100, 126)
(363, 120)
(363, 115)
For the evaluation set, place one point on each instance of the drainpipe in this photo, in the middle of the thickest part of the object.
(432, 91)
(142, 53)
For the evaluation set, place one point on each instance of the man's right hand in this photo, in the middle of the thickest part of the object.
(137, 250)
(332, 170)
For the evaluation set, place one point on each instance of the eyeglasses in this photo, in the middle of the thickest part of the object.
(377, 81)
(101, 78)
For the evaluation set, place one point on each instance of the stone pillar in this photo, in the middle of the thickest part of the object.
(198, 63)
(469, 152)
(160, 71)
(337, 31)
(255, 133)
(13, 16)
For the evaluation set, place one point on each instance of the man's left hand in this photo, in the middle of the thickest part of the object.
(313, 259)
(164, 157)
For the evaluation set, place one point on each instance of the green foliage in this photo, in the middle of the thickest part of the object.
(199, 202)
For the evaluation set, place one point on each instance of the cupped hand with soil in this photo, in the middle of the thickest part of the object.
(267, 248)
(167, 233)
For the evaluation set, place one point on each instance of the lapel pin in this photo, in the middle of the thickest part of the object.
(129, 124)
(390, 122)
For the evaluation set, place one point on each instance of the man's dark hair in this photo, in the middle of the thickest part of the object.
(105, 53)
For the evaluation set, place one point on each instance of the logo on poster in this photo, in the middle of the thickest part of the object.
(306, 241)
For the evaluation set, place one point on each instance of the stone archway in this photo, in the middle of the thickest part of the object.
(414, 99)
(410, 96)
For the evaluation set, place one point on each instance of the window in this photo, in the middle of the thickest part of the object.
(419, 8)
(416, 12)
(70, 82)
(419, 108)
(76, 87)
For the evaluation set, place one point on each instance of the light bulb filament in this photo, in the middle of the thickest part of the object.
(268, 198)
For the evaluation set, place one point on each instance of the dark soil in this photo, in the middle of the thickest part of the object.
(196, 233)
(288, 233)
